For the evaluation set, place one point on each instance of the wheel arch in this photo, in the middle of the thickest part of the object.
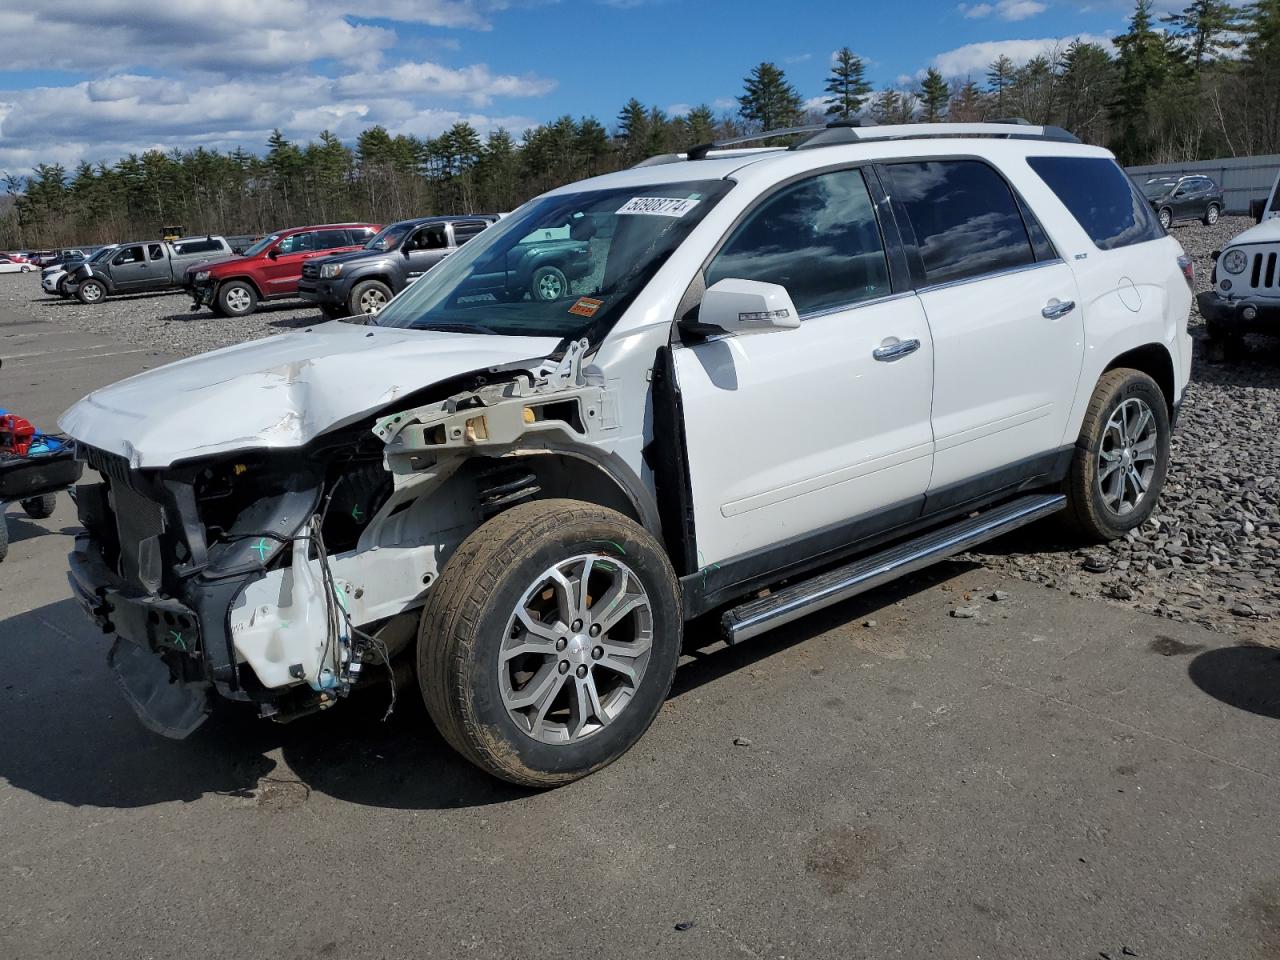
(220, 282)
(595, 477)
(1155, 361)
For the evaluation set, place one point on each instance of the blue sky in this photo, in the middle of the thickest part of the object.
(118, 76)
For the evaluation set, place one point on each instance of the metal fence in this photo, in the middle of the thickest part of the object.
(1243, 179)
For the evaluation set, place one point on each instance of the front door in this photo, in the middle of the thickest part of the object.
(424, 248)
(129, 268)
(793, 432)
(283, 271)
(1008, 332)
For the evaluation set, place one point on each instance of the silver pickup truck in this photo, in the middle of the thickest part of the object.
(144, 266)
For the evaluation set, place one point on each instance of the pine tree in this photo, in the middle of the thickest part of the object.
(934, 96)
(633, 131)
(1143, 69)
(968, 104)
(1209, 27)
(700, 126)
(847, 86)
(768, 101)
(1000, 77)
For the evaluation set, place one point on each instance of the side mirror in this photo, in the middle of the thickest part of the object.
(273, 254)
(406, 249)
(747, 306)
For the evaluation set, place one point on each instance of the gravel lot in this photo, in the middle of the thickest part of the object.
(1210, 555)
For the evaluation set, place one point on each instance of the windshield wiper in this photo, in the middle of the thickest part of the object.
(456, 328)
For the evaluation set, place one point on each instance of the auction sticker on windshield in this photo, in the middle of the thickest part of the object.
(586, 307)
(659, 206)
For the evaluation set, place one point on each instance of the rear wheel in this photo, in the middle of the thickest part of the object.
(1121, 457)
(549, 283)
(549, 642)
(91, 291)
(368, 297)
(236, 299)
(1166, 217)
(41, 507)
(1211, 214)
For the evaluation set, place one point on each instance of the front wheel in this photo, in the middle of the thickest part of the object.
(549, 283)
(63, 292)
(550, 641)
(1166, 217)
(1211, 214)
(1121, 457)
(91, 291)
(236, 299)
(368, 298)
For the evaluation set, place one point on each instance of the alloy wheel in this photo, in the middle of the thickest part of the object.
(576, 649)
(372, 302)
(1127, 456)
(92, 292)
(238, 299)
(550, 287)
(1166, 219)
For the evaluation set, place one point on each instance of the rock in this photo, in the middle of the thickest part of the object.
(741, 742)
(870, 624)
(1097, 563)
(686, 925)
(999, 596)
(965, 613)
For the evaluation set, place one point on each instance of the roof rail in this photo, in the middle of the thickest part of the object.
(864, 131)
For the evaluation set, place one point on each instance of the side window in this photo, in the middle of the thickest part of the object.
(966, 219)
(331, 239)
(819, 238)
(362, 236)
(1104, 201)
(128, 255)
(298, 243)
(430, 237)
(462, 232)
(156, 251)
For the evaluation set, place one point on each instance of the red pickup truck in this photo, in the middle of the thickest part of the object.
(271, 268)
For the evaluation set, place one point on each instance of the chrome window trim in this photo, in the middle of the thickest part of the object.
(856, 304)
(989, 276)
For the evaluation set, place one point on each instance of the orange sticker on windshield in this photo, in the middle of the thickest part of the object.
(586, 307)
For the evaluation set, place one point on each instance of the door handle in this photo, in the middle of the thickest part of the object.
(895, 351)
(1058, 308)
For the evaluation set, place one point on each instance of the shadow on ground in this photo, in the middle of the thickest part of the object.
(70, 737)
(1244, 677)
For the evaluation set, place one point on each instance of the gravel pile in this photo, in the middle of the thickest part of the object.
(161, 320)
(1210, 554)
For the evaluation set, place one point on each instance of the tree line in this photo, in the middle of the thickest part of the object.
(1197, 84)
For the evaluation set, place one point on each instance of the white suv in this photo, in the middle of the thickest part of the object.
(1244, 290)
(786, 376)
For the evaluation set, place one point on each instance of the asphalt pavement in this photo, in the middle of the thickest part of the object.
(1053, 778)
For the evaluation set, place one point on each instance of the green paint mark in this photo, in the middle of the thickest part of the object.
(177, 640)
(356, 513)
(263, 549)
(613, 543)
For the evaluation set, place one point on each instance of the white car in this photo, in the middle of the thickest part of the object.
(1244, 293)
(57, 280)
(787, 376)
(14, 266)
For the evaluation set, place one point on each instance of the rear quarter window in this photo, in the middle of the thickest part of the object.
(1103, 200)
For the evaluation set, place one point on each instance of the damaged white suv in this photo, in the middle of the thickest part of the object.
(782, 376)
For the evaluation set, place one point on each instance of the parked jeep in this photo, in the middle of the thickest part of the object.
(783, 377)
(138, 268)
(1244, 292)
(1184, 198)
(271, 268)
(363, 281)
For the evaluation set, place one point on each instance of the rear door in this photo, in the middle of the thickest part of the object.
(819, 431)
(1008, 335)
(159, 273)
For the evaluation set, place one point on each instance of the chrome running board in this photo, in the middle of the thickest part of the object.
(791, 603)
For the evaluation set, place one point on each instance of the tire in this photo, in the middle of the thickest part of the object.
(1117, 430)
(1211, 214)
(41, 507)
(1166, 217)
(63, 292)
(26, 268)
(235, 298)
(91, 291)
(548, 284)
(368, 297)
(471, 617)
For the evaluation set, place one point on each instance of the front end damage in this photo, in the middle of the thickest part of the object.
(281, 577)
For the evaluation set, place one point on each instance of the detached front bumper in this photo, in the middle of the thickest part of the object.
(1240, 314)
(202, 294)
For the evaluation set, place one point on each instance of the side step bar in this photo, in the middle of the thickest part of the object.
(791, 603)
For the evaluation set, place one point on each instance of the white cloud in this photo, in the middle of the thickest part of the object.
(1011, 10)
(974, 58)
(224, 73)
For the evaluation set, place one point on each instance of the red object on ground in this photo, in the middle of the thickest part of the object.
(16, 434)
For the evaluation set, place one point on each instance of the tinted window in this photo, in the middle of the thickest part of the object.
(965, 217)
(298, 243)
(1102, 199)
(462, 232)
(430, 237)
(330, 239)
(129, 255)
(187, 247)
(156, 251)
(818, 238)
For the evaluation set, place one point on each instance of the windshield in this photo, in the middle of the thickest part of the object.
(389, 238)
(562, 266)
(261, 245)
(101, 254)
(1157, 188)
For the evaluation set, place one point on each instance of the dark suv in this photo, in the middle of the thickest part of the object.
(362, 281)
(1184, 198)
